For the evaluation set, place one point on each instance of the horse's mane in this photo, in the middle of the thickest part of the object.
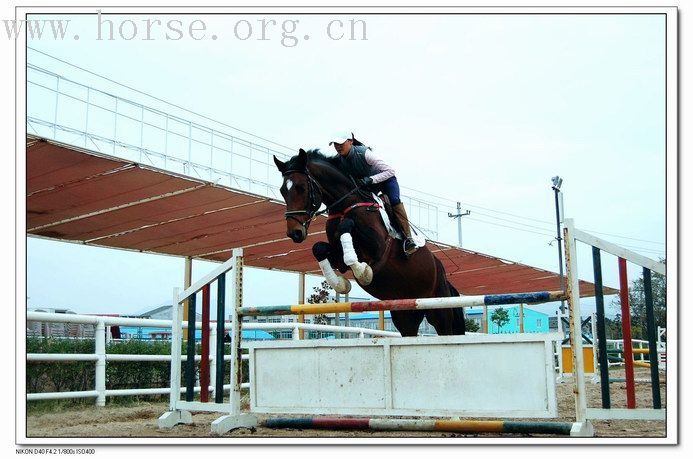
(333, 161)
(316, 155)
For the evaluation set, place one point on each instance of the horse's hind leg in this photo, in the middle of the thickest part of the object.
(446, 321)
(407, 322)
(321, 252)
(442, 321)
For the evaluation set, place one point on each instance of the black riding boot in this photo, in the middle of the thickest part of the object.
(401, 214)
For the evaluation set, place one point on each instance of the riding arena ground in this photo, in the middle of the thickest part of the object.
(140, 420)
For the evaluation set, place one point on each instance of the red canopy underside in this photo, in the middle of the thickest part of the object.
(81, 196)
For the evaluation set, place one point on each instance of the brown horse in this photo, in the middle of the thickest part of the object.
(359, 240)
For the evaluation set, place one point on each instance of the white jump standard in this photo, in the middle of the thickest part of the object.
(331, 381)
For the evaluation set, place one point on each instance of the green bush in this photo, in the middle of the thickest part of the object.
(140, 375)
(80, 376)
(59, 376)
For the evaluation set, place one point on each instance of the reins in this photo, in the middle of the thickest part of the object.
(314, 204)
(342, 214)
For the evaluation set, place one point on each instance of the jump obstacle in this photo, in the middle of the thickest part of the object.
(424, 425)
(318, 378)
(572, 235)
(615, 355)
(404, 305)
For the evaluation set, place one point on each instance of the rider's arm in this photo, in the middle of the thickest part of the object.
(385, 170)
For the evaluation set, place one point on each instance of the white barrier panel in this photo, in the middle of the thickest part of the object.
(496, 376)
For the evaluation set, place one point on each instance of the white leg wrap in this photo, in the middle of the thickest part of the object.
(362, 272)
(350, 256)
(338, 283)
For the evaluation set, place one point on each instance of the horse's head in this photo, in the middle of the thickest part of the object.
(301, 194)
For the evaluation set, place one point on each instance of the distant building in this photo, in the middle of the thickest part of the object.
(553, 324)
(534, 321)
(372, 319)
(166, 313)
(164, 334)
(57, 330)
(363, 320)
(160, 313)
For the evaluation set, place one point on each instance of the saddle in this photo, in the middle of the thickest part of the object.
(390, 215)
(391, 222)
(393, 225)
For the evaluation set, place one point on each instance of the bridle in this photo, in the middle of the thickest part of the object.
(314, 200)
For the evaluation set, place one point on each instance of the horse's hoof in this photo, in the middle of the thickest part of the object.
(343, 287)
(368, 275)
(363, 273)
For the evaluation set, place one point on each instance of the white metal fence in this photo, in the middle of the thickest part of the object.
(639, 345)
(100, 357)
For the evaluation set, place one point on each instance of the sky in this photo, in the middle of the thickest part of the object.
(481, 109)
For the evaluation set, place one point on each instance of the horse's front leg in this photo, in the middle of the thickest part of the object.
(321, 252)
(362, 272)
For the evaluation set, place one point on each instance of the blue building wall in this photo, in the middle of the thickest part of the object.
(534, 321)
(145, 333)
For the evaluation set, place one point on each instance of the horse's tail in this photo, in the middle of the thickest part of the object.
(458, 325)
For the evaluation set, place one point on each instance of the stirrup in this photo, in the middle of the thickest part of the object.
(409, 247)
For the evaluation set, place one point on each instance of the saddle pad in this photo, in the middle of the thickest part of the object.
(386, 219)
(418, 239)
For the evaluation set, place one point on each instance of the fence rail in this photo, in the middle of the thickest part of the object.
(106, 321)
(68, 111)
(100, 357)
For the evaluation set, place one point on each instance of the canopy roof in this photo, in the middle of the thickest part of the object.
(90, 198)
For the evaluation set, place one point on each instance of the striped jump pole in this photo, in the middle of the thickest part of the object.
(204, 346)
(418, 425)
(584, 412)
(627, 335)
(190, 350)
(405, 304)
(652, 338)
(219, 360)
(183, 374)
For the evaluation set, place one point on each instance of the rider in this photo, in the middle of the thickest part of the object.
(371, 172)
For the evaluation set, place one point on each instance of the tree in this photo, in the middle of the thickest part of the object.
(500, 317)
(471, 326)
(320, 295)
(614, 327)
(636, 299)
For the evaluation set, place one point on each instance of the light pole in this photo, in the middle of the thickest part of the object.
(556, 186)
(459, 216)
